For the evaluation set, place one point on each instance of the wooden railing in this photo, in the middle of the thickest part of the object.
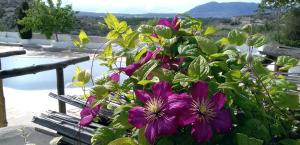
(58, 66)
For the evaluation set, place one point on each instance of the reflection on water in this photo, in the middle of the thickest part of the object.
(47, 79)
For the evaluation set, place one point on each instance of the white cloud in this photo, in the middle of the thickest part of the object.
(139, 6)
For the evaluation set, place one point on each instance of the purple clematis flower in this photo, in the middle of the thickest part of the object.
(174, 24)
(130, 69)
(158, 115)
(205, 114)
(88, 113)
(115, 77)
(168, 62)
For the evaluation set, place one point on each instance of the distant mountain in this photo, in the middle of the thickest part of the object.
(223, 10)
(147, 15)
(212, 9)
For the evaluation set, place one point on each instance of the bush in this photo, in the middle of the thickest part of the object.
(24, 34)
(185, 88)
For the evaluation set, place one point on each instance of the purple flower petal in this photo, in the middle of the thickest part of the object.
(175, 23)
(147, 57)
(85, 112)
(199, 91)
(95, 110)
(91, 99)
(219, 100)
(130, 69)
(167, 125)
(164, 22)
(186, 117)
(86, 120)
(136, 117)
(142, 95)
(201, 131)
(115, 77)
(154, 35)
(176, 103)
(151, 132)
(162, 89)
(222, 123)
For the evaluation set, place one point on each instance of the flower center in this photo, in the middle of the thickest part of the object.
(204, 109)
(154, 108)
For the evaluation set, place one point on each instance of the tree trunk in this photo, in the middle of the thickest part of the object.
(3, 121)
(56, 37)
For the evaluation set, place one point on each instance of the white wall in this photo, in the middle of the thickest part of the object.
(39, 40)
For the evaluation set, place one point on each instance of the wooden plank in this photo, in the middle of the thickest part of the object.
(276, 51)
(3, 121)
(77, 102)
(60, 88)
(66, 129)
(12, 53)
(39, 68)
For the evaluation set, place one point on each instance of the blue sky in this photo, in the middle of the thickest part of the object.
(140, 6)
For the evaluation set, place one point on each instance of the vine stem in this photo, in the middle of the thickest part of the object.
(267, 92)
(94, 56)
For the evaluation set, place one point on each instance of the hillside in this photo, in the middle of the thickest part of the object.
(212, 9)
(223, 10)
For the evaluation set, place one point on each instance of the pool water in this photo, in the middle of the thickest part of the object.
(47, 79)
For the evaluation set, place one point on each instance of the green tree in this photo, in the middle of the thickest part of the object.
(279, 3)
(21, 14)
(49, 18)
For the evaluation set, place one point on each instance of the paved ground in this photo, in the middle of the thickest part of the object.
(16, 136)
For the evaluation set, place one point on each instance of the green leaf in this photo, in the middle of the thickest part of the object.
(237, 74)
(188, 50)
(224, 41)
(107, 52)
(81, 77)
(237, 37)
(99, 91)
(55, 140)
(120, 117)
(130, 40)
(179, 77)
(286, 62)
(164, 74)
(207, 46)
(111, 21)
(287, 100)
(210, 30)
(146, 29)
(141, 138)
(165, 141)
(104, 135)
(83, 37)
(199, 68)
(144, 82)
(146, 69)
(123, 141)
(163, 31)
(112, 35)
(140, 54)
(289, 142)
(243, 139)
(121, 27)
(256, 40)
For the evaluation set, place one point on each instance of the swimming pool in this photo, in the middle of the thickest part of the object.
(47, 79)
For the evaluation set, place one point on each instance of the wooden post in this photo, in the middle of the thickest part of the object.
(3, 121)
(60, 88)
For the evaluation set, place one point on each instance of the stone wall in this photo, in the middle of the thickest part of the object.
(8, 12)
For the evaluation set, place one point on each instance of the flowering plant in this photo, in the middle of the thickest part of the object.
(182, 85)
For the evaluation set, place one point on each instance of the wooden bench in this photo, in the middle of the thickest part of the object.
(67, 126)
